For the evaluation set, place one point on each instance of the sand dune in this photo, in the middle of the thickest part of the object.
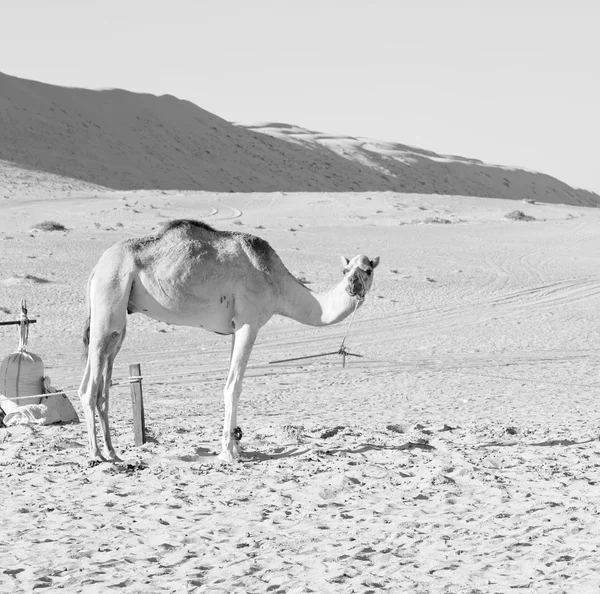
(123, 140)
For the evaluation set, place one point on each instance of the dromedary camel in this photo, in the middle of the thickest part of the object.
(191, 274)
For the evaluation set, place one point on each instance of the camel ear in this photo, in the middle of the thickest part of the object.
(375, 262)
(345, 261)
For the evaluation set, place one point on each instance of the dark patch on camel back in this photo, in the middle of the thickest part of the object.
(189, 224)
(258, 250)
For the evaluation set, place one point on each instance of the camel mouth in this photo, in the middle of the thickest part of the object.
(353, 292)
(357, 286)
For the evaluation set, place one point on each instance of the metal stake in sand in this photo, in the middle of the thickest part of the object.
(24, 320)
(341, 351)
(137, 401)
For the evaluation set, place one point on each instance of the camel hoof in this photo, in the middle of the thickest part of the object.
(112, 457)
(95, 459)
(228, 457)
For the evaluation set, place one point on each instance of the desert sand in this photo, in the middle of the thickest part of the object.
(459, 454)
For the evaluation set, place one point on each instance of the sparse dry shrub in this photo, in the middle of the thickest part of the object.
(437, 221)
(23, 279)
(518, 215)
(49, 226)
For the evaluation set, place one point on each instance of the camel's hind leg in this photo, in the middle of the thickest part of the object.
(109, 295)
(88, 394)
(102, 400)
(94, 391)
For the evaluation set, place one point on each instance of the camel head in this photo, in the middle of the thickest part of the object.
(359, 275)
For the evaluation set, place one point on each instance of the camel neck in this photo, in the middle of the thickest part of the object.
(314, 309)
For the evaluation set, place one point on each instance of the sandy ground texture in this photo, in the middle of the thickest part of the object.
(460, 454)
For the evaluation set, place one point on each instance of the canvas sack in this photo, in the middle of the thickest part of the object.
(21, 376)
(22, 373)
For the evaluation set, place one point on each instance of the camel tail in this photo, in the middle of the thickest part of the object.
(86, 339)
(87, 324)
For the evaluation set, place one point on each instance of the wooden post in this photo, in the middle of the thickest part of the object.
(137, 400)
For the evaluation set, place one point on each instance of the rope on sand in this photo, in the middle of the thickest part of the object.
(47, 395)
(71, 390)
(463, 370)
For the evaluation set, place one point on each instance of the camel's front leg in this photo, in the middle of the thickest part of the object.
(242, 347)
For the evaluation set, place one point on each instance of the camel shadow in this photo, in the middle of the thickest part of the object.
(294, 452)
(562, 442)
(280, 453)
(547, 443)
(370, 447)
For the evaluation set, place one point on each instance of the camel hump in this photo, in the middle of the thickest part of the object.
(259, 252)
(200, 237)
(187, 228)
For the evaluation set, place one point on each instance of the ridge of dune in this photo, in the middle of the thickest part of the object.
(428, 172)
(125, 141)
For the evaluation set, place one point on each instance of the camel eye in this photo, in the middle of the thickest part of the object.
(369, 272)
(345, 271)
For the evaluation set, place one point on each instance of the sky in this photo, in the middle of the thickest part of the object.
(511, 82)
